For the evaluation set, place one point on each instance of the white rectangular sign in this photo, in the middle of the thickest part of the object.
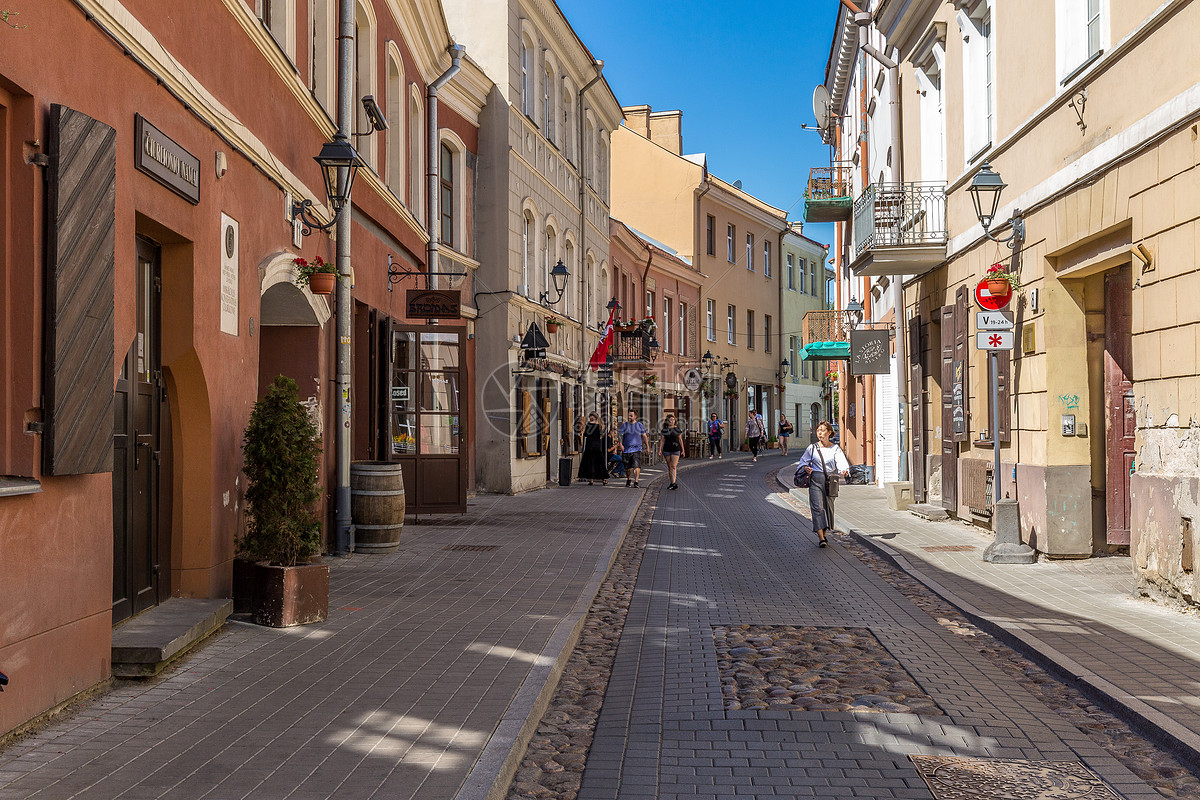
(994, 320)
(994, 340)
(229, 275)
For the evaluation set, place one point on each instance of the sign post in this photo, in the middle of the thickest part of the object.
(995, 333)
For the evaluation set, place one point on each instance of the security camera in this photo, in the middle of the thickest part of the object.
(374, 113)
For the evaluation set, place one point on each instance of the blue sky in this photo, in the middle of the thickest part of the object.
(742, 74)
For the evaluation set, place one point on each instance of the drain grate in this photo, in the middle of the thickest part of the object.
(949, 548)
(472, 548)
(959, 778)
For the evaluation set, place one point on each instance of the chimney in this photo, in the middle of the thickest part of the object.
(666, 130)
(637, 119)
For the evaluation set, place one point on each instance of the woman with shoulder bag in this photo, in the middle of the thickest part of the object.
(825, 464)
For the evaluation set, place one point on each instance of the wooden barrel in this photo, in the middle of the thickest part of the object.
(376, 505)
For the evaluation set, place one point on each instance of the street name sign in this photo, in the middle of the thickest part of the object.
(994, 340)
(994, 320)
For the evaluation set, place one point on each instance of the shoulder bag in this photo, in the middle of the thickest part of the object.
(803, 478)
(832, 481)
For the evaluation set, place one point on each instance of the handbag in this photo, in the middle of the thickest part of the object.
(832, 484)
(803, 478)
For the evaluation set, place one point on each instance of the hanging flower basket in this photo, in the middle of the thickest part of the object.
(552, 324)
(1001, 280)
(319, 276)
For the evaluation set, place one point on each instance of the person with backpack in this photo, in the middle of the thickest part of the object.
(785, 430)
(755, 432)
(821, 469)
(716, 429)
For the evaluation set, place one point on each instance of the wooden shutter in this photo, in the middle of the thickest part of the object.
(1003, 372)
(962, 361)
(80, 259)
(916, 403)
(949, 446)
(524, 412)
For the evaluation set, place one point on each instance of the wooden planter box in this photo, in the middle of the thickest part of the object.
(287, 596)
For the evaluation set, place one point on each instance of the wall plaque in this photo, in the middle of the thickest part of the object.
(157, 155)
(434, 304)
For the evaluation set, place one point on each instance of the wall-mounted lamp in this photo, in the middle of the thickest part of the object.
(334, 156)
(559, 275)
(1144, 255)
(855, 309)
(985, 191)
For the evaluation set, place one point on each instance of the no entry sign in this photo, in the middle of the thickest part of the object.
(991, 302)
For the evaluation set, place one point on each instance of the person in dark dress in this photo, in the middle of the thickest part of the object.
(593, 465)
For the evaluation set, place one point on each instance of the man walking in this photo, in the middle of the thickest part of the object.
(634, 442)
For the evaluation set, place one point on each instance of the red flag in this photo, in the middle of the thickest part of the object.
(601, 353)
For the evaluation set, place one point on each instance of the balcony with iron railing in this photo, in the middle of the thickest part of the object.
(827, 197)
(899, 228)
(631, 348)
(827, 334)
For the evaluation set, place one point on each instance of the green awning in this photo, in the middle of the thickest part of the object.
(825, 351)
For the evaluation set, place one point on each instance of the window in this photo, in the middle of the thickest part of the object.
(791, 271)
(568, 130)
(931, 110)
(549, 259)
(803, 364)
(683, 329)
(711, 235)
(711, 320)
(548, 102)
(602, 171)
(322, 80)
(526, 91)
(803, 276)
(750, 251)
(666, 326)
(749, 330)
(364, 77)
(276, 16)
(767, 258)
(446, 196)
(1079, 32)
(396, 156)
(731, 322)
(766, 333)
(978, 78)
(730, 231)
(649, 303)
(569, 295)
(792, 358)
(526, 253)
(416, 171)
(813, 274)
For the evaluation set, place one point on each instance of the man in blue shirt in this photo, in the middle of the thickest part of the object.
(633, 443)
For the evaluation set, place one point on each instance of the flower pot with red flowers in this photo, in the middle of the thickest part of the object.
(319, 276)
(1001, 280)
(552, 324)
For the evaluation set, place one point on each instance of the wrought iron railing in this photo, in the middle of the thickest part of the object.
(827, 326)
(826, 183)
(631, 346)
(898, 214)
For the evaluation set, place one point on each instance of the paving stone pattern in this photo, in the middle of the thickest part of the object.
(724, 551)
(395, 696)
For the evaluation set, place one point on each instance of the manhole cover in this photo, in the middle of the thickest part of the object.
(472, 548)
(949, 548)
(958, 778)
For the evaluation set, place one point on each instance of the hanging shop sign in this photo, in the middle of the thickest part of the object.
(691, 379)
(870, 352)
(160, 157)
(434, 304)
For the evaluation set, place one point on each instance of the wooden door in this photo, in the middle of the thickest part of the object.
(1120, 421)
(137, 451)
(949, 387)
(916, 406)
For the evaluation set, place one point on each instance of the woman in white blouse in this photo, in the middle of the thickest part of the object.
(819, 460)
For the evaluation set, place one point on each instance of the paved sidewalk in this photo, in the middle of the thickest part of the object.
(1081, 618)
(432, 657)
(724, 551)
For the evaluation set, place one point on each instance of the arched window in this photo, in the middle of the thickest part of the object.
(416, 168)
(526, 253)
(568, 130)
(446, 205)
(602, 293)
(322, 35)
(364, 78)
(396, 156)
(526, 78)
(572, 276)
(550, 258)
(602, 171)
(548, 101)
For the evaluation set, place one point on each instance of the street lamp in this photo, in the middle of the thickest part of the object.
(707, 359)
(985, 191)
(559, 275)
(855, 309)
(654, 348)
(333, 158)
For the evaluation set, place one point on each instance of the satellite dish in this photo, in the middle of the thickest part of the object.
(821, 106)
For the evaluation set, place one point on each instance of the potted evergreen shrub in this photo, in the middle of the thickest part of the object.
(280, 455)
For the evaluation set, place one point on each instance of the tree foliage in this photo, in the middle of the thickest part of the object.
(280, 455)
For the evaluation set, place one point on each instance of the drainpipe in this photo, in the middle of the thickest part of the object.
(434, 221)
(696, 250)
(343, 533)
(585, 284)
